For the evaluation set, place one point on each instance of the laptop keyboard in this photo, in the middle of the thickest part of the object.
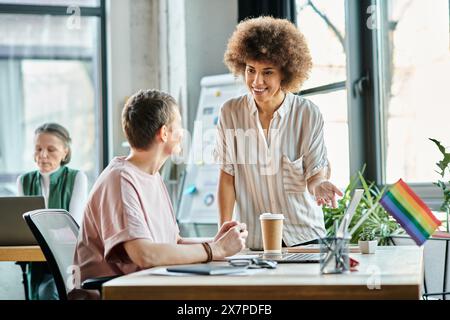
(301, 257)
(293, 257)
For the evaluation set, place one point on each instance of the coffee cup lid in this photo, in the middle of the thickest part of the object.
(271, 216)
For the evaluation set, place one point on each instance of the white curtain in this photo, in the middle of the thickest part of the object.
(11, 124)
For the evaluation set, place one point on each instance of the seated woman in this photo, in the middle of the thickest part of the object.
(129, 222)
(61, 187)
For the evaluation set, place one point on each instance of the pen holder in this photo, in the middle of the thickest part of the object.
(334, 256)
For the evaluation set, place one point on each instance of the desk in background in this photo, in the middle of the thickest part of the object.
(396, 271)
(21, 255)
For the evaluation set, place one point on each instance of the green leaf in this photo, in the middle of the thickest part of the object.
(443, 166)
(439, 145)
(444, 163)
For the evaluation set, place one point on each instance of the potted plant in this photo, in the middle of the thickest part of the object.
(444, 165)
(367, 241)
(369, 213)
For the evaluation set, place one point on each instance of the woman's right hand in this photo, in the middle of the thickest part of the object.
(229, 242)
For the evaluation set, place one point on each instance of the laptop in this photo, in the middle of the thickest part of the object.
(293, 257)
(13, 229)
(349, 213)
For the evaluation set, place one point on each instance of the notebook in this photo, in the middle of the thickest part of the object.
(207, 269)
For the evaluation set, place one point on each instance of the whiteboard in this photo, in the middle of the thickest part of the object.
(198, 201)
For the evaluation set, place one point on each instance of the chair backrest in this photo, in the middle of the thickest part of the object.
(436, 263)
(56, 232)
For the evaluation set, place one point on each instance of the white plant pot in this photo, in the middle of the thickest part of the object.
(368, 246)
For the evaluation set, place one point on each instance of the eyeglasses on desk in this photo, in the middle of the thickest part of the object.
(253, 263)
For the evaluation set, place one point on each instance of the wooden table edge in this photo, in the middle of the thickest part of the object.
(21, 253)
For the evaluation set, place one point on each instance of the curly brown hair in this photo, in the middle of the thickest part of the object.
(268, 39)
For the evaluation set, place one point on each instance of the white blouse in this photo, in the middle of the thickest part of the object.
(270, 175)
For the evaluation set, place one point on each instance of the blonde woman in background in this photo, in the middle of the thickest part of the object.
(61, 187)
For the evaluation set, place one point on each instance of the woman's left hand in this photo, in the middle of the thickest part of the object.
(325, 193)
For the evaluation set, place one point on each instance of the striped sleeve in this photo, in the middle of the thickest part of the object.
(224, 143)
(315, 157)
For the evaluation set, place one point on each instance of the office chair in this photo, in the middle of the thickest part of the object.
(436, 265)
(56, 233)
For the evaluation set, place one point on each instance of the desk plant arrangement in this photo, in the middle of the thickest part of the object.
(443, 166)
(369, 212)
(367, 240)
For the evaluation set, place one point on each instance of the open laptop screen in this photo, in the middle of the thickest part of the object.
(13, 228)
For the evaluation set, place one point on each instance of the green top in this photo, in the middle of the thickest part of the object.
(60, 194)
(61, 186)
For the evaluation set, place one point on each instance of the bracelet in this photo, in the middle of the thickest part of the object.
(208, 250)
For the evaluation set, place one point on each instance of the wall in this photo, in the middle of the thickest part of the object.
(173, 53)
(133, 58)
(165, 44)
(209, 24)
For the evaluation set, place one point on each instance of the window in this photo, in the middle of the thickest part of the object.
(81, 3)
(416, 78)
(51, 70)
(398, 71)
(323, 24)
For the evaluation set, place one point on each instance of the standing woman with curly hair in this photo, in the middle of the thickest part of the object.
(270, 142)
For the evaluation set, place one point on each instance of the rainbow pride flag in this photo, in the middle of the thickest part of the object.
(410, 212)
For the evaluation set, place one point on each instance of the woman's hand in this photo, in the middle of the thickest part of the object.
(325, 193)
(229, 240)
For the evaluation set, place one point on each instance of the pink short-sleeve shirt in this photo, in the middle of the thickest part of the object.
(125, 204)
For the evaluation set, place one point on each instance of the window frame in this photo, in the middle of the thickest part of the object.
(100, 13)
(366, 96)
(368, 101)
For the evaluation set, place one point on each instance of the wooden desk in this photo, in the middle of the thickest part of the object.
(398, 271)
(21, 254)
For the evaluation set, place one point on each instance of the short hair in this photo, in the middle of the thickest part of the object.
(61, 133)
(144, 114)
(277, 41)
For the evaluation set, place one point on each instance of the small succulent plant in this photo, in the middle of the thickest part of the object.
(367, 234)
